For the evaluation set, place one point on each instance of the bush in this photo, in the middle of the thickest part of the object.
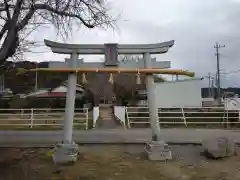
(17, 102)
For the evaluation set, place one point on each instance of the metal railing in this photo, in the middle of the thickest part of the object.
(41, 118)
(183, 116)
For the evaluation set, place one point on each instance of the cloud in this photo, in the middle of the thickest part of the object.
(195, 25)
(201, 25)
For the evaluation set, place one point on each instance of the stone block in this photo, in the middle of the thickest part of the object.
(219, 147)
(158, 151)
(65, 153)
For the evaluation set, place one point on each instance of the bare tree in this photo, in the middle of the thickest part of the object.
(18, 18)
(126, 58)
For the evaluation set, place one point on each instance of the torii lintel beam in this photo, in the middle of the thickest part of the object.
(62, 48)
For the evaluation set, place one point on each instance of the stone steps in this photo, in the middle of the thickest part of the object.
(106, 114)
(107, 118)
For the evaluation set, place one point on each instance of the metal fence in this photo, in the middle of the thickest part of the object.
(41, 118)
(187, 116)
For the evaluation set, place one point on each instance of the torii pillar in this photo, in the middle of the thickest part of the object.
(111, 52)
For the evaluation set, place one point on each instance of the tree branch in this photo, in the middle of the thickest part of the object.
(11, 42)
(62, 13)
(3, 30)
(26, 19)
(18, 16)
(7, 9)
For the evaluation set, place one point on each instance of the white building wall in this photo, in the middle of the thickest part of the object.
(185, 93)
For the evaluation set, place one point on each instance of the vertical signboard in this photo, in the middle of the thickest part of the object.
(111, 54)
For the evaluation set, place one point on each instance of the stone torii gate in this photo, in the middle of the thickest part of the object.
(111, 64)
(111, 52)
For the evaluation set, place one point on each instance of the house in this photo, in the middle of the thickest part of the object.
(6, 92)
(54, 97)
(57, 92)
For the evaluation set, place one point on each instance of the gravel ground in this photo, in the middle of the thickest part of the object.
(116, 163)
(187, 154)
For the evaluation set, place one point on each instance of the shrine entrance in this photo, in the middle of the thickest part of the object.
(103, 100)
(111, 66)
(106, 100)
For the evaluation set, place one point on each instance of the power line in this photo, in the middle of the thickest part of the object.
(232, 72)
(225, 73)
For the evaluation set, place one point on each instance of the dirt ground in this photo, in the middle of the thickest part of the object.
(112, 163)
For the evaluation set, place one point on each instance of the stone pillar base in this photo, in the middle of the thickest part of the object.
(65, 153)
(158, 151)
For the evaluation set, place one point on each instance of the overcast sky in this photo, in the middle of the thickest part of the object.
(195, 25)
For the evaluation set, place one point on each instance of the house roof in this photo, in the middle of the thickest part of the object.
(78, 86)
(59, 91)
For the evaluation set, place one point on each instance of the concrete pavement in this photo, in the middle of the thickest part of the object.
(46, 138)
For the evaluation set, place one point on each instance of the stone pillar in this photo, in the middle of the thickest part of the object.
(156, 149)
(67, 151)
(153, 110)
(70, 101)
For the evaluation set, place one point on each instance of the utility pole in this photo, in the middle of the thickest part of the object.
(36, 79)
(217, 47)
(213, 88)
(209, 84)
(176, 77)
(2, 82)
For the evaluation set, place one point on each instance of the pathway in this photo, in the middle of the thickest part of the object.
(107, 118)
(112, 136)
(108, 124)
